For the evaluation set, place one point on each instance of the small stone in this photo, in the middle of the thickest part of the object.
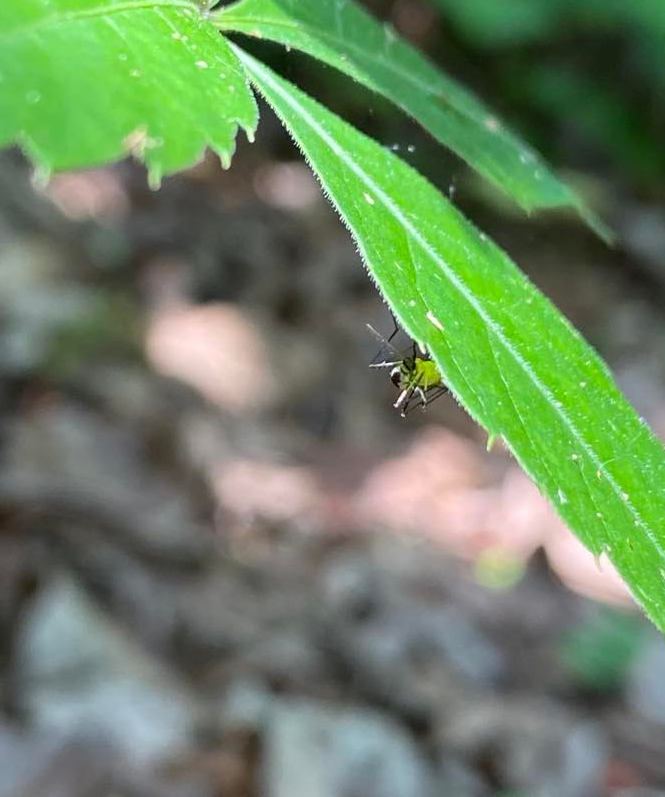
(316, 750)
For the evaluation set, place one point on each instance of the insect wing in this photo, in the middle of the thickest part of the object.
(388, 355)
(431, 395)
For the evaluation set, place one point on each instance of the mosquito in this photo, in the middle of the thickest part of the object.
(414, 374)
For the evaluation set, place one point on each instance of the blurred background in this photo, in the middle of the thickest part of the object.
(228, 568)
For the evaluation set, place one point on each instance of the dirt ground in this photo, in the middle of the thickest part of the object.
(229, 569)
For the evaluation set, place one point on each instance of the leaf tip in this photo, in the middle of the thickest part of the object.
(602, 230)
(41, 175)
(155, 177)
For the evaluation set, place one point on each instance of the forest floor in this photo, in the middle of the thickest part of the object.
(229, 569)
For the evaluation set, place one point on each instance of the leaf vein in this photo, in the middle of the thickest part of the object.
(456, 282)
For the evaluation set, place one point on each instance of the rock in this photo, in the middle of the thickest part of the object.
(532, 746)
(39, 305)
(21, 756)
(643, 229)
(405, 648)
(457, 779)
(245, 706)
(79, 673)
(286, 658)
(315, 750)
(638, 792)
(43, 764)
(73, 462)
(645, 688)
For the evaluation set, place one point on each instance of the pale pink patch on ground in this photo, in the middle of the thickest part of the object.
(437, 489)
(438, 458)
(578, 568)
(433, 489)
(287, 185)
(214, 348)
(521, 518)
(415, 21)
(266, 491)
(459, 521)
(97, 194)
(657, 420)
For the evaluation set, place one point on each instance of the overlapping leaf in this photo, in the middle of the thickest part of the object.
(508, 355)
(343, 35)
(82, 83)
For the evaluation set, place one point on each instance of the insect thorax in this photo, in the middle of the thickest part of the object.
(416, 372)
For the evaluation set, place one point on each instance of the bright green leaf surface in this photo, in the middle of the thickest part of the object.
(508, 355)
(83, 82)
(341, 34)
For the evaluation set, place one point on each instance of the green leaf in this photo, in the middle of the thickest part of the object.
(496, 23)
(343, 35)
(500, 23)
(507, 354)
(83, 83)
(600, 111)
(599, 651)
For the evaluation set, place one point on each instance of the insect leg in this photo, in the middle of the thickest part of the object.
(432, 395)
(401, 398)
(395, 331)
(385, 364)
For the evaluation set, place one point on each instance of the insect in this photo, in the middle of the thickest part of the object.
(414, 374)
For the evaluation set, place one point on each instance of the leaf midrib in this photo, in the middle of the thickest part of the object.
(332, 41)
(467, 294)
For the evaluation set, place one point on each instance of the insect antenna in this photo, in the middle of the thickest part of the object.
(385, 341)
(386, 346)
